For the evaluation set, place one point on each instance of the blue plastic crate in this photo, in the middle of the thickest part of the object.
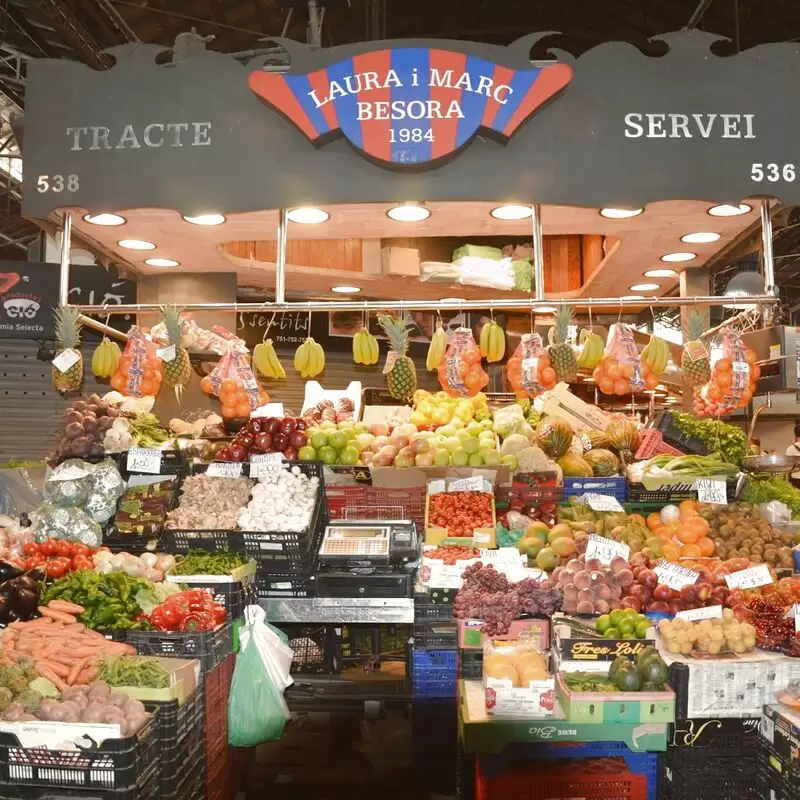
(615, 486)
(646, 764)
(433, 673)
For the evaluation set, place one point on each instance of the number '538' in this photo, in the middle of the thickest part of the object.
(772, 173)
(57, 183)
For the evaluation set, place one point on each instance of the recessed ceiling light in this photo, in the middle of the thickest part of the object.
(308, 215)
(206, 219)
(162, 262)
(620, 213)
(511, 212)
(136, 244)
(544, 310)
(408, 212)
(644, 287)
(346, 289)
(109, 220)
(452, 299)
(700, 238)
(726, 210)
(661, 273)
(677, 257)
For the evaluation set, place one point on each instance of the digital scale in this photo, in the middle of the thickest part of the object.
(368, 558)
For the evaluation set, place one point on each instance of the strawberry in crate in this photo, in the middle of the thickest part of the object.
(191, 610)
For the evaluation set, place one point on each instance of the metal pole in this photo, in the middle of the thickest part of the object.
(766, 239)
(94, 324)
(280, 262)
(442, 305)
(66, 244)
(538, 253)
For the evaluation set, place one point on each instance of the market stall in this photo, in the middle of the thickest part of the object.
(471, 519)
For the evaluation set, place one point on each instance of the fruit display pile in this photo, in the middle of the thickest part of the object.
(460, 513)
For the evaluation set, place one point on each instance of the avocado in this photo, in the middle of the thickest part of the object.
(654, 671)
(646, 655)
(628, 680)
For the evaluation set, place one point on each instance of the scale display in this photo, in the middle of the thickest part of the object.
(351, 541)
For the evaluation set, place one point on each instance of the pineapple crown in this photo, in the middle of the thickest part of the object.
(173, 324)
(695, 323)
(397, 332)
(563, 319)
(67, 326)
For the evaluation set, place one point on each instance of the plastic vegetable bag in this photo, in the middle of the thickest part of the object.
(734, 375)
(460, 372)
(529, 370)
(139, 373)
(621, 370)
(257, 711)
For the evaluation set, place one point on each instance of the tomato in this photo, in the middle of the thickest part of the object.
(82, 562)
(63, 548)
(55, 569)
(30, 548)
(48, 547)
(79, 549)
(36, 560)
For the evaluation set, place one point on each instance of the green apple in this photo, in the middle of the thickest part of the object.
(509, 461)
(475, 460)
(327, 455)
(362, 427)
(348, 456)
(470, 446)
(327, 425)
(337, 440)
(491, 458)
(307, 454)
(319, 440)
(460, 458)
(441, 458)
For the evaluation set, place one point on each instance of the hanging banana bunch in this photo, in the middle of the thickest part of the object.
(492, 342)
(105, 358)
(309, 358)
(656, 355)
(437, 348)
(266, 361)
(365, 348)
(592, 347)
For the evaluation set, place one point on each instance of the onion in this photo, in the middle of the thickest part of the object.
(118, 560)
(165, 562)
(102, 555)
(154, 575)
(133, 568)
(669, 513)
(148, 560)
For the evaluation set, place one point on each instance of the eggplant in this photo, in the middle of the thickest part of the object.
(26, 601)
(28, 581)
(5, 608)
(9, 571)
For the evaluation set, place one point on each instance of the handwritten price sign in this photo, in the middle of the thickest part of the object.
(144, 460)
(696, 614)
(606, 550)
(266, 465)
(224, 469)
(749, 578)
(712, 490)
(675, 576)
(602, 502)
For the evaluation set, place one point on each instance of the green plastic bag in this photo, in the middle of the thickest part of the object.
(257, 711)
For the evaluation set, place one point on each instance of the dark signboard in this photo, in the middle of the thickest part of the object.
(627, 129)
(29, 293)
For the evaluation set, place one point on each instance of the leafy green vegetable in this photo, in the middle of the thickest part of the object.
(134, 671)
(588, 682)
(764, 490)
(729, 440)
(690, 466)
(201, 562)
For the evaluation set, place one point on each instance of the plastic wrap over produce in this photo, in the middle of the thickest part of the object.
(21, 490)
(94, 488)
(460, 372)
(529, 369)
(53, 522)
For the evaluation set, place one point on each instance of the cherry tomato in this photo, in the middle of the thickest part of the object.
(55, 569)
(30, 548)
(79, 549)
(48, 547)
(63, 548)
(36, 560)
(82, 562)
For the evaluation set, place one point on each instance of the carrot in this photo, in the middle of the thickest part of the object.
(45, 611)
(45, 671)
(9, 644)
(87, 675)
(84, 651)
(76, 670)
(60, 669)
(66, 607)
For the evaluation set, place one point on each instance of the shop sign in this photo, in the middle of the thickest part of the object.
(410, 106)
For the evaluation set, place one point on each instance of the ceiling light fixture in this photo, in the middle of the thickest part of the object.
(661, 273)
(620, 213)
(512, 212)
(346, 289)
(644, 287)
(108, 220)
(674, 258)
(408, 212)
(308, 215)
(162, 262)
(136, 244)
(727, 210)
(700, 238)
(206, 219)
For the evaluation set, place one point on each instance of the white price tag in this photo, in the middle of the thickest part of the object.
(166, 354)
(263, 466)
(473, 484)
(601, 502)
(249, 383)
(741, 366)
(749, 578)
(605, 550)
(144, 459)
(712, 490)
(224, 469)
(436, 487)
(696, 614)
(63, 361)
(674, 575)
(391, 357)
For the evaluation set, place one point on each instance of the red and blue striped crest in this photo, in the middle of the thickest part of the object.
(410, 106)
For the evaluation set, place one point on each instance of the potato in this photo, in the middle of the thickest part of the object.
(94, 713)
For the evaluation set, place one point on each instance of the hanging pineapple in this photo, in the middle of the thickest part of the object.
(401, 375)
(178, 371)
(562, 356)
(105, 358)
(68, 337)
(694, 358)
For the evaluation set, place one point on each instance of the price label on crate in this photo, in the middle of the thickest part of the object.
(696, 614)
(146, 460)
(605, 550)
(63, 361)
(166, 354)
(750, 578)
(712, 490)
(601, 502)
(266, 465)
(224, 469)
(473, 484)
(674, 575)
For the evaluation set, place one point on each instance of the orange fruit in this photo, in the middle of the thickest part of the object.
(228, 411)
(243, 408)
(622, 386)
(699, 524)
(672, 526)
(687, 535)
(723, 365)
(606, 386)
(614, 372)
(653, 520)
(662, 531)
(691, 551)
(548, 375)
(670, 551)
(686, 505)
(706, 546)
(206, 385)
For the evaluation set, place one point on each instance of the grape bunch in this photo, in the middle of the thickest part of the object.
(487, 594)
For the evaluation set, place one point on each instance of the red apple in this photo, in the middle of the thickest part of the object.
(677, 605)
(703, 590)
(631, 602)
(223, 455)
(290, 453)
(641, 592)
(648, 578)
(660, 606)
(639, 560)
(298, 439)
(288, 425)
(263, 442)
(689, 594)
(244, 439)
(274, 426)
(255, 426)
(662, 592)
(237, 452)
(299, 424)
(280, 441)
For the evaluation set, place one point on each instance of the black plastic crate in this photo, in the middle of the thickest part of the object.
(710, 784)
(147, 789)
(470, 664)
(208, 647)
(381, 642)
(182, 764)
(316, 648)
(175, 722)
(192, 787)
(234, 595)
(674, 494)
(664, 421)
(773, 784)
(702, 738)
(441, 634)
(427, 608)
(114, 764)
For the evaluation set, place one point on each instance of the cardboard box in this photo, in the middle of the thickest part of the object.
(184, 677)
(585, 651)
(472, 637)
(780, 734)
(483, 538)
(560, 402)
(400, 261)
